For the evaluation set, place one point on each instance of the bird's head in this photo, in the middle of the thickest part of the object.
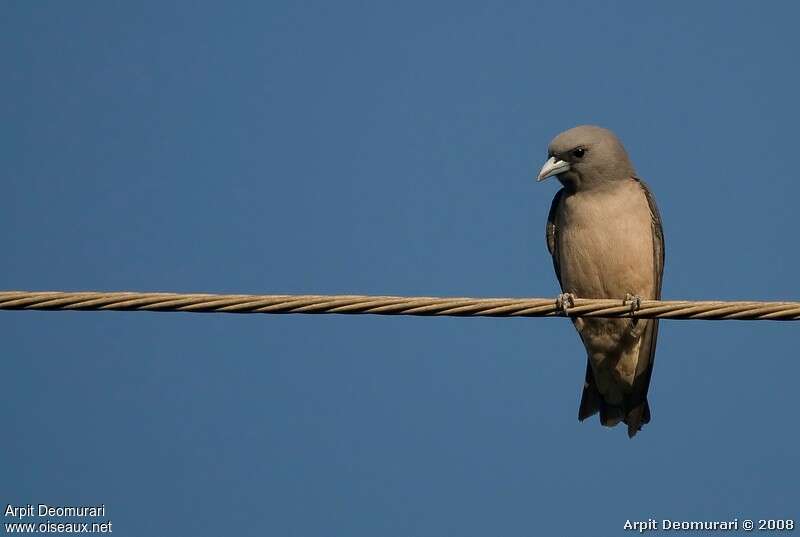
(585, 158)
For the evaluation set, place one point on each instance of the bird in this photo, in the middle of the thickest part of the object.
(605, 236)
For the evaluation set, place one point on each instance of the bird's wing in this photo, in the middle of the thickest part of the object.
(644, 367)
(658, 236)
(551, 233)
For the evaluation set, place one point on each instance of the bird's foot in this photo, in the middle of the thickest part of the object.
(636, 303)
(634, 300)
(564, 301)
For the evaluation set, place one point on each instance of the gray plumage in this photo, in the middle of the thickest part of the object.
(604, 234)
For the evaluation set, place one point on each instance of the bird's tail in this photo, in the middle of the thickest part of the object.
(612, 415)
(636, 417)
(592, 402)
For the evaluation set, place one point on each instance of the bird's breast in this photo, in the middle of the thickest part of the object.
(605, 243)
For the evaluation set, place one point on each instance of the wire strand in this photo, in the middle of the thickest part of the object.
(396, 305)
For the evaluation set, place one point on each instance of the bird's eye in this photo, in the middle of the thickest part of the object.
(579, 152)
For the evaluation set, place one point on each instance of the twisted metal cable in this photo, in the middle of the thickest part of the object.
(396, 305)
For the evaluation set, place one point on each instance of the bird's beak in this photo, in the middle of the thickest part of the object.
(553, 166)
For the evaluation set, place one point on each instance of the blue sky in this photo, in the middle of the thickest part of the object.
(385, 148)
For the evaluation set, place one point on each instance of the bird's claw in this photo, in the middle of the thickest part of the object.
(564, 301)
(634, 300)
(636, 327)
